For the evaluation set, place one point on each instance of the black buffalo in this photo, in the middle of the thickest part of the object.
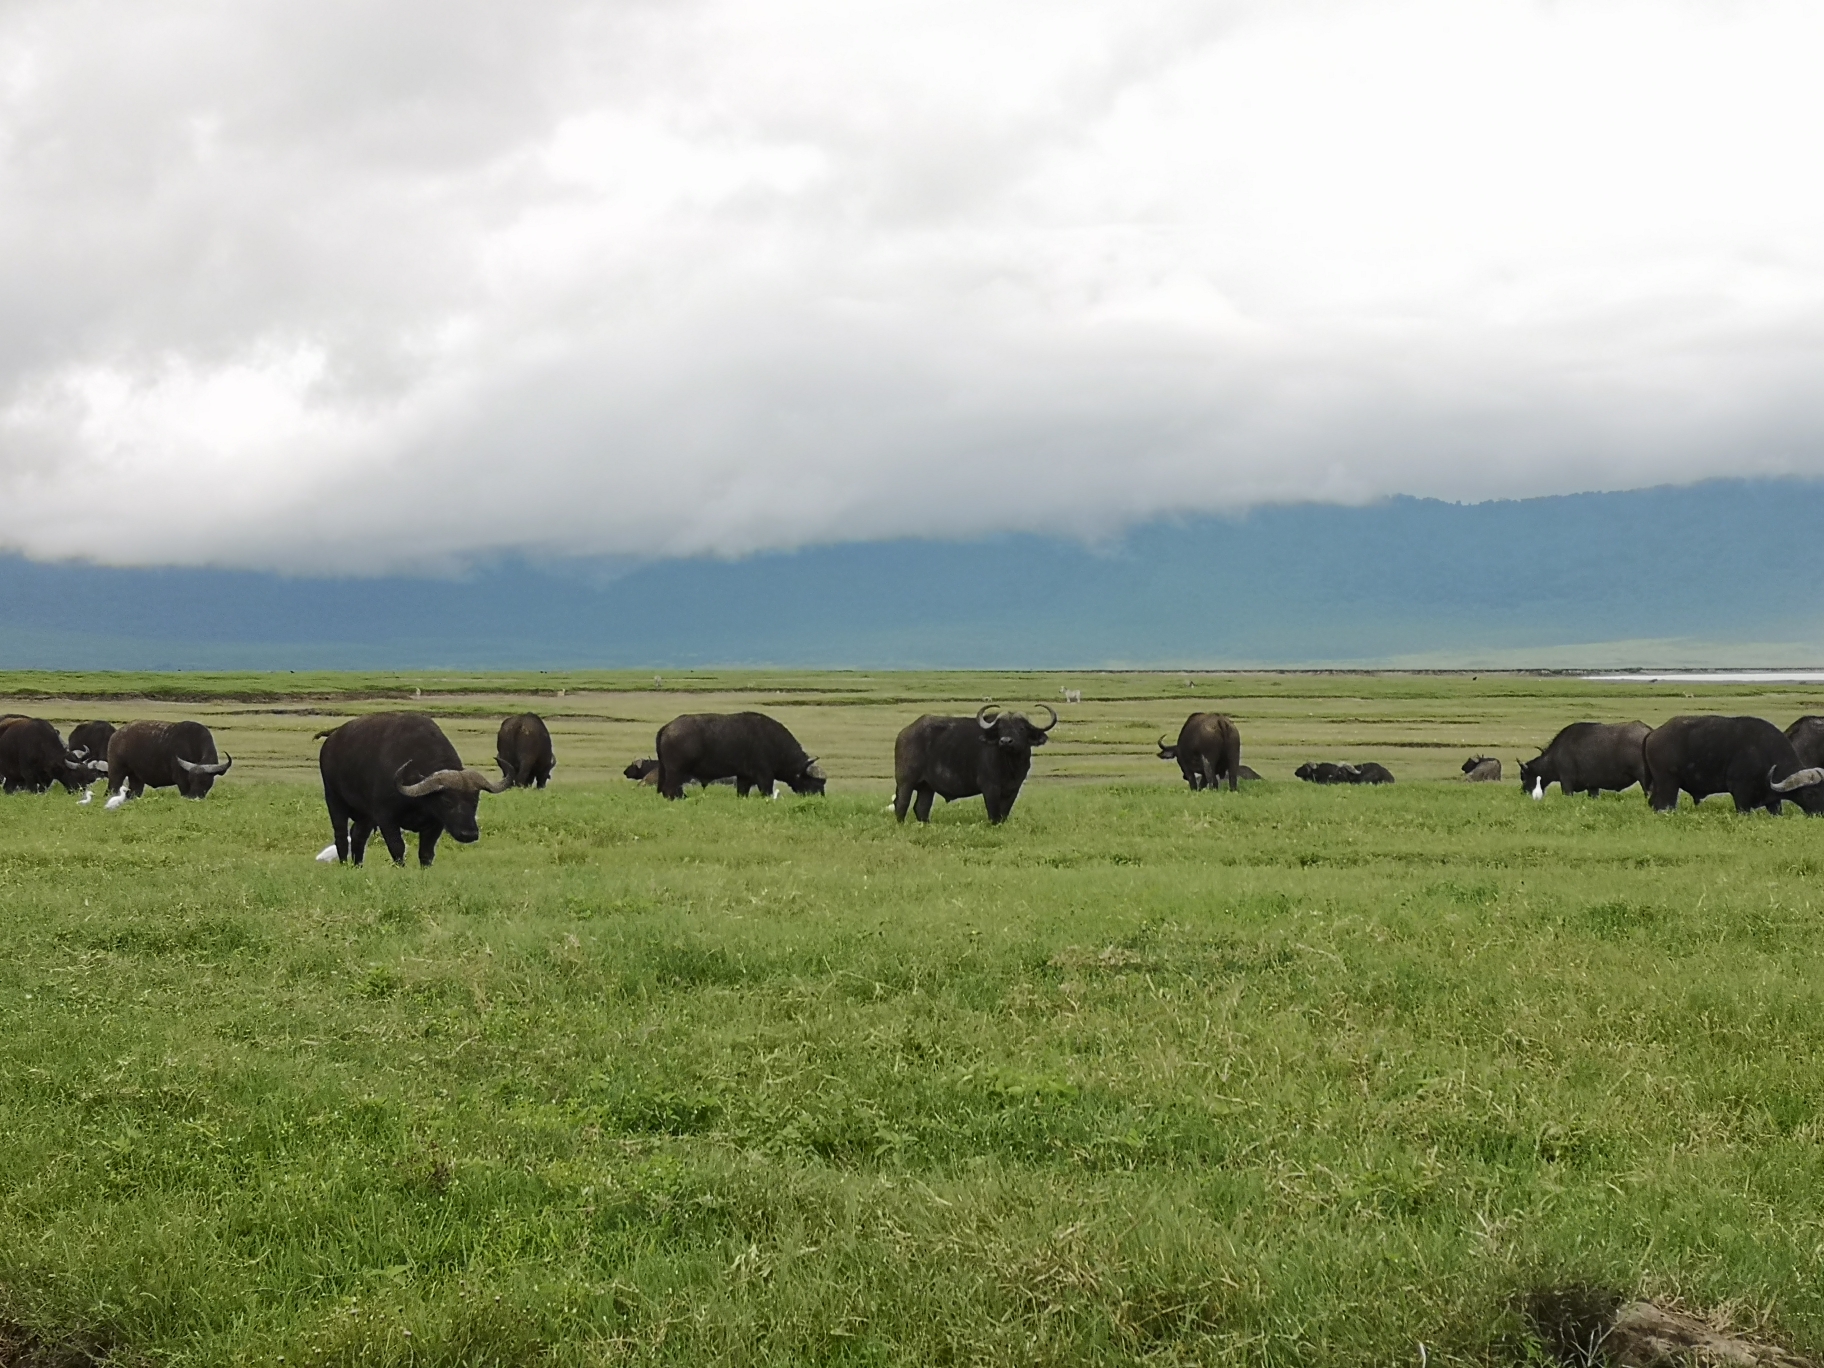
(89, 741)
(1208, 751)
(1807, 737)
(180, 755)
(1323, 772)
(751, 748)
(643, 772)
(959, 757)
(1370, 773)
(1746, 757)
(1589, 757)
(523, 751)
(33, 757)
(1246, 774)
(398, 772)
(1482, 769)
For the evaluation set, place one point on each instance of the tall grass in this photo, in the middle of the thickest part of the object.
(1288, 1076)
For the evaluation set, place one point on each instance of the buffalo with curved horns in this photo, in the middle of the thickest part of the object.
(1482, 769)
(1748, 758)
(398, 772)
(180, 755)
(1208, 751)
(959, 757)
(750, 748)
(33, 757)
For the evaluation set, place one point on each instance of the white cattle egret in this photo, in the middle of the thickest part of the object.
(327, 855)
(120, 796)
(1538, 787)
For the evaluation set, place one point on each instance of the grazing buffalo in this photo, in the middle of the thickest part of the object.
(1370, 773)
(33, 757)
(959, 757)
(398, 772)
(1208, 751)
(1482, 769)
(1807, 737)
(643, 772)
(523, 751)
(144, 755)
(89, 740)
(1748, 758)
(1589, 757)
(751, 748)
(1323, 772)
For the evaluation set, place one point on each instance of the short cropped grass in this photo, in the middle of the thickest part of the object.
(1289, 1076)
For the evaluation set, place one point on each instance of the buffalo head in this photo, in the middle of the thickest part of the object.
(194, 779)
(1011, 730)
(453, 796)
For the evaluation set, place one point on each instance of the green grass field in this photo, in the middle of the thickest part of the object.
(1290, 1076)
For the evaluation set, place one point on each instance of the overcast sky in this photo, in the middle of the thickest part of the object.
(331, 285)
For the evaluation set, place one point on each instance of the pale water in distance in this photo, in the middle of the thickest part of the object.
(1715, 677)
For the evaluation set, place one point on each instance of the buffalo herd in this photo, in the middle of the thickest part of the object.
(397, 772)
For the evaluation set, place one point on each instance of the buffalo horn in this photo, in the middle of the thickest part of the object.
(473, 781)
(191, 767)
(1054, 718)
(983, 719)
(1805, 778)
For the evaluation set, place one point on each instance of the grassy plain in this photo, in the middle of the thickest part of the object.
(1289, 1076)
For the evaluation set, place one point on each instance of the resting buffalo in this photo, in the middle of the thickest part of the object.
(1323, 772)
(1246, 774)
(523, 751)
(144, 755)
(643, 772)
(1482, 769)
(1208, 751)
(959, 757)
(398, 772)
(1807, 737)
(33, 757)
(1589, 757)
(1748, 758)
(751, 748)
(1370, 773)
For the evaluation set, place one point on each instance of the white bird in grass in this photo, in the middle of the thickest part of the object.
(327, 855)
(1538, 787)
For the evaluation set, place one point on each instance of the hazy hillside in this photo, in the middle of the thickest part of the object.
(1702, 574)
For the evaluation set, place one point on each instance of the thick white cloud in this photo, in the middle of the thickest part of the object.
(363, 287)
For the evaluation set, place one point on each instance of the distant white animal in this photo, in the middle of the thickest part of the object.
(1538, 789)
(1072, 695)
(327, 855)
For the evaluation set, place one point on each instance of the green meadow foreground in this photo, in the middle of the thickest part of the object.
(1289, 1076)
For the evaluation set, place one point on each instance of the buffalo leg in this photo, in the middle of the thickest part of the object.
(357, 840)
(427, 845)
(1663, 796)
(743, 786)
(922, 808)
(395, 843)
(902, 799)
(338, 825)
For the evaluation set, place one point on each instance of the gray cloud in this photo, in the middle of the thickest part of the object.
(334, 286)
